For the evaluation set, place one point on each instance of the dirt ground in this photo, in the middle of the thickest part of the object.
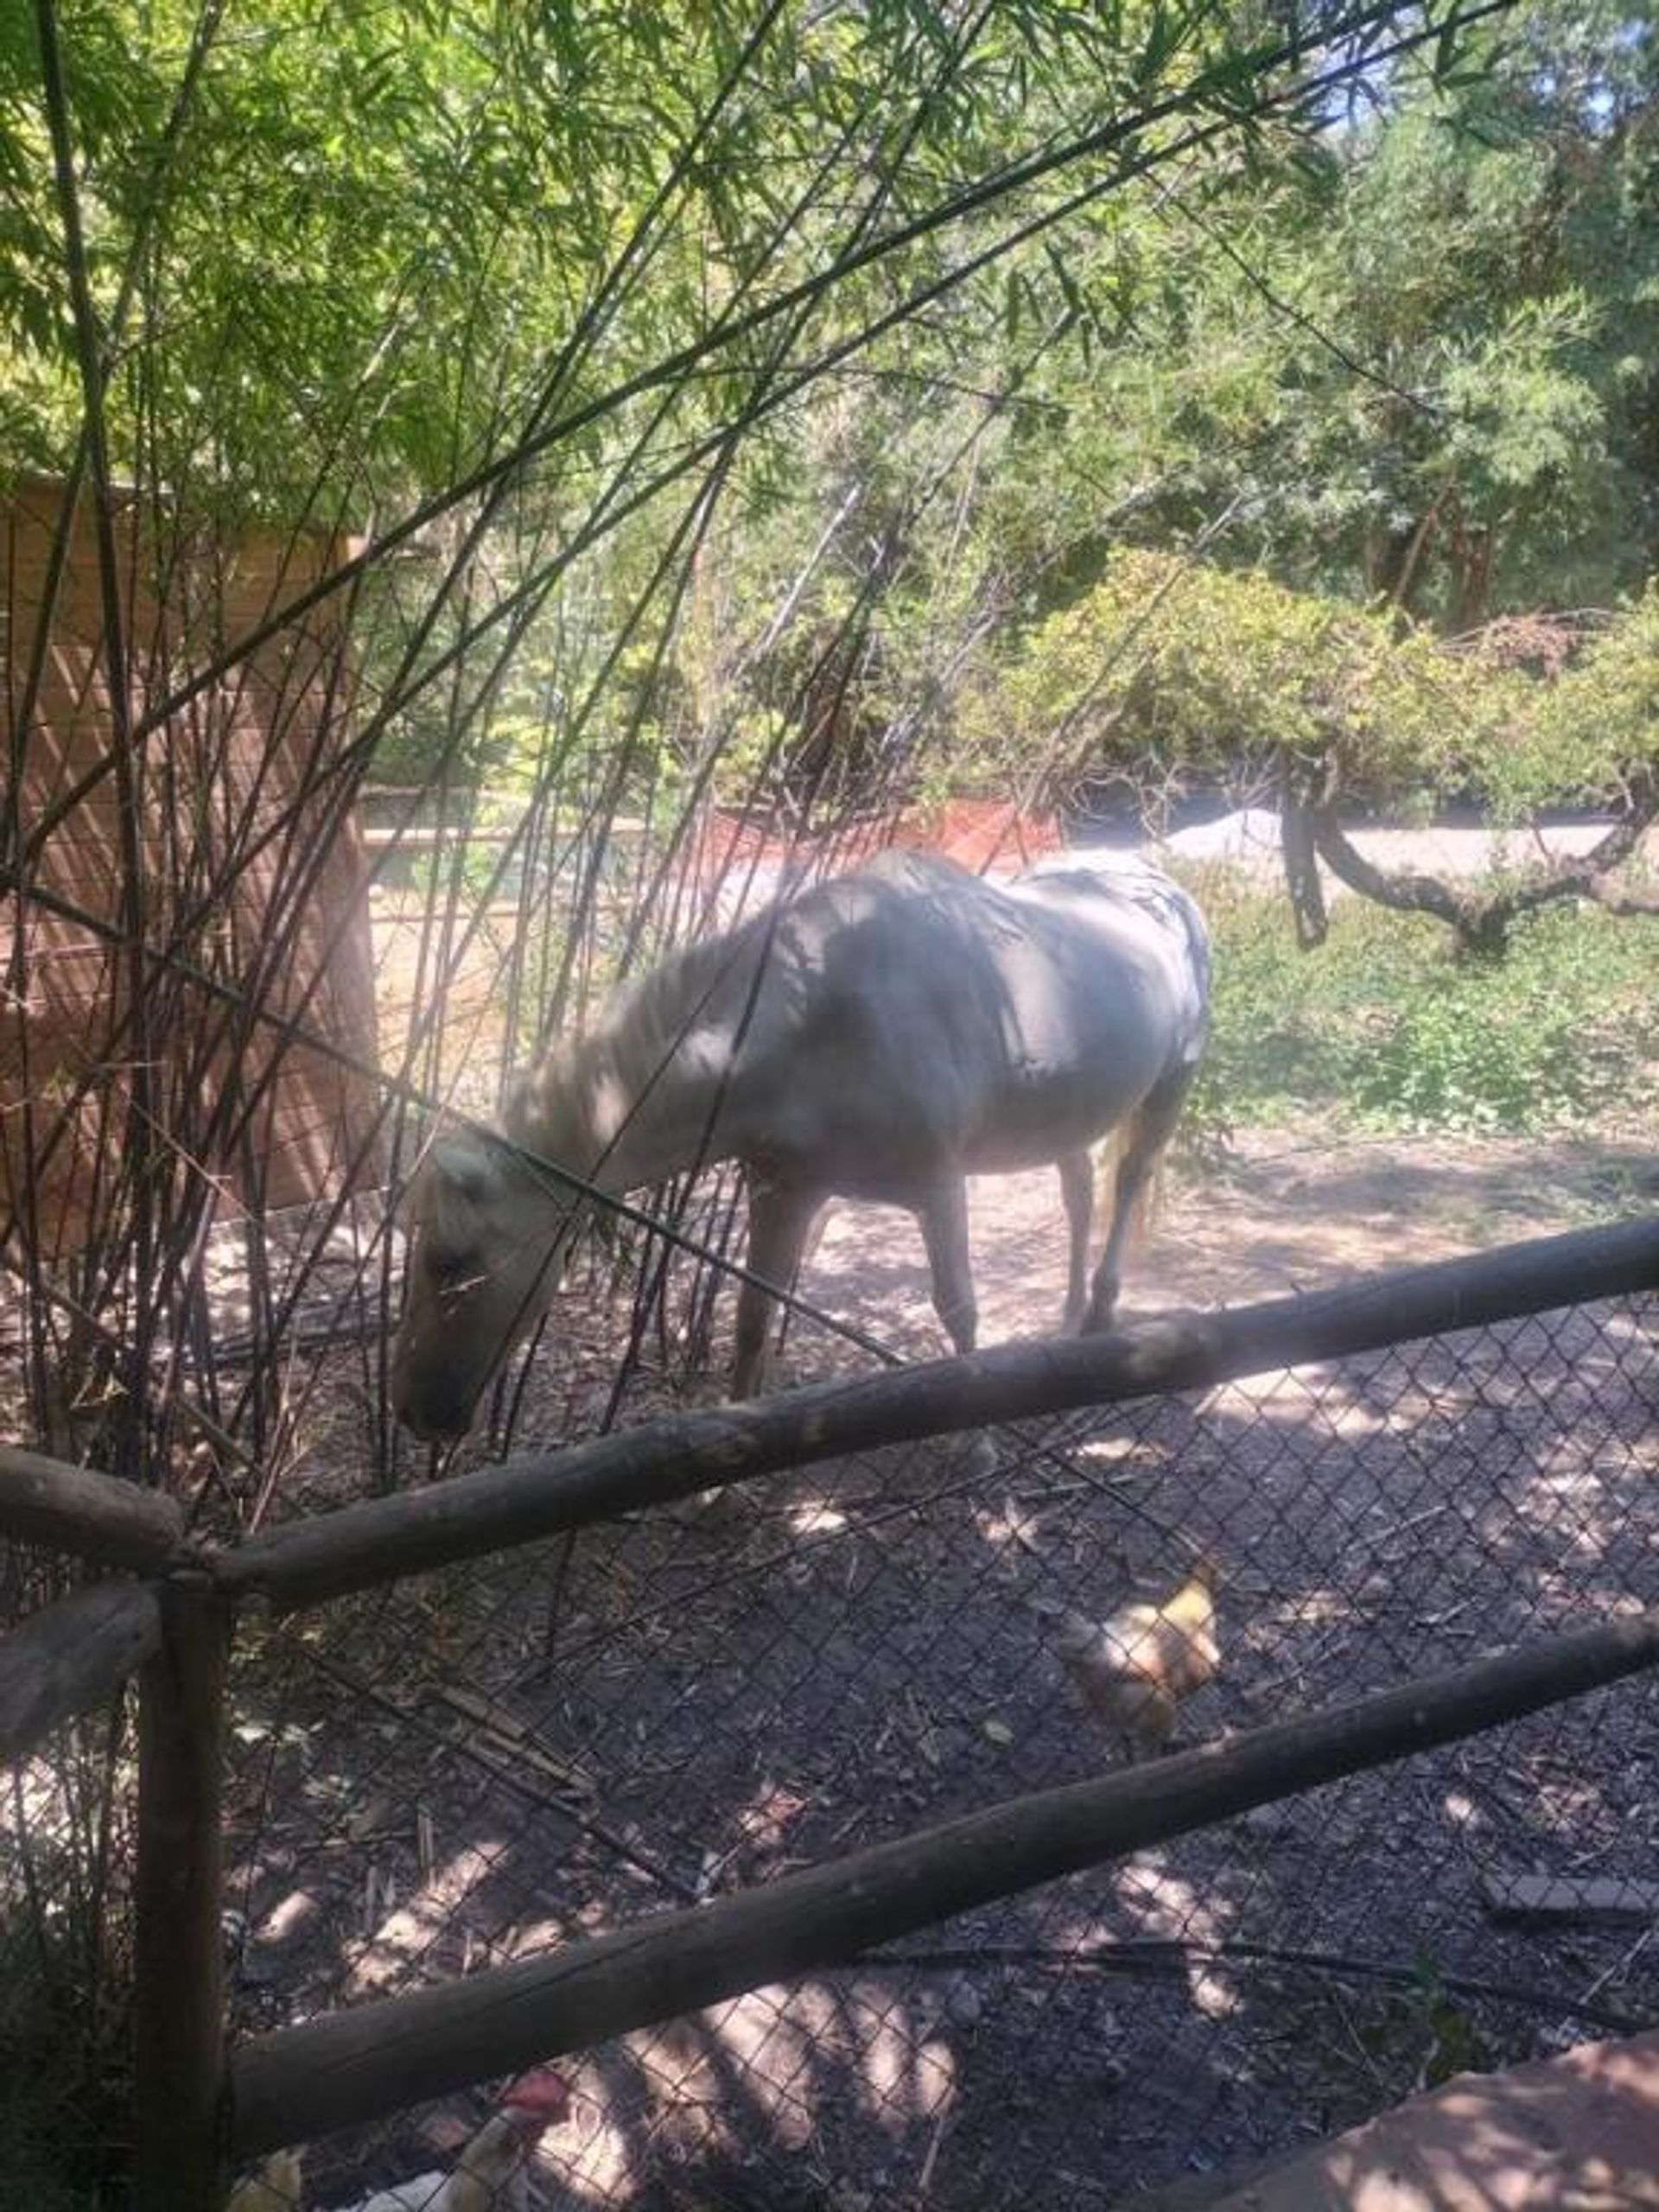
(470, 1769)
(1287, 1211)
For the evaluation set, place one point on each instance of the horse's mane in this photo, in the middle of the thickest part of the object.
(636, 1032)
(653, 1011)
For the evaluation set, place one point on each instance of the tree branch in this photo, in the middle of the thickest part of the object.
(1406, 892)
(1483, 920)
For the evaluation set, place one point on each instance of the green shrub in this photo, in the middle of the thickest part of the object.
(1384, 1028)
(1468, 1058)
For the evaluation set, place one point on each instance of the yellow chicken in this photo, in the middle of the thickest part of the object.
(1135, 1668)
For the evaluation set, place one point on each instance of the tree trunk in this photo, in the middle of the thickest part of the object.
(1481, 921)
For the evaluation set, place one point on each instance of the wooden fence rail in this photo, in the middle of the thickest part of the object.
(72, 1656)
(89, 1515)
(359, 1547)
(361, 2065)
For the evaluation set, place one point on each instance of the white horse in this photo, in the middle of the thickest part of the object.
(881, 1036)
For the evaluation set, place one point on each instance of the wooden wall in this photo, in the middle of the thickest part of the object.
(242, 879)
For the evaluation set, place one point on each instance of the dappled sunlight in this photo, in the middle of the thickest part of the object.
(287, 1921)
(815, 1517)
(1291, 1394)
(1460, 1810)
(1012, 1524)
(1577, 2130)
(1113, 1451)
(596, 2160)
(1314, 1607)
(797, 2051)
(398, 1931)
(1160, 1902)
(763, 1829)
(38, 1802)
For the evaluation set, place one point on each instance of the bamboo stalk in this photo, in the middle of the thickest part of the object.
(358, 2065)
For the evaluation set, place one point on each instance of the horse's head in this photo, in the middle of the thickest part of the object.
(486, 1236)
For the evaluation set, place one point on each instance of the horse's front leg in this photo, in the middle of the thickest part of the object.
(944, 1227)
(781, 1216)
(944, 1212)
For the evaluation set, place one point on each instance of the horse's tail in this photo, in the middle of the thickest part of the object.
(1147, 1194)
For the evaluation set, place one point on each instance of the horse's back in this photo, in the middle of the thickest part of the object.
(912, 1015)
(1130, 906)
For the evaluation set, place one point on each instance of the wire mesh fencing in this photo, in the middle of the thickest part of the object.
(66, 1939)
(482, 1764)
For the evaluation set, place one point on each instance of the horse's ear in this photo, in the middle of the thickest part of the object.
(451, 1189)
(465, 1166)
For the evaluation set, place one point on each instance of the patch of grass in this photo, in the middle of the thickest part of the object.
(1384, 1028)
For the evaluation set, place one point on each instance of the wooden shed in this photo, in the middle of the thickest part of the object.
(184, 923)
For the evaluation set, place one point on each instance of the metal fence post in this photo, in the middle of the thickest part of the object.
(178, 2000)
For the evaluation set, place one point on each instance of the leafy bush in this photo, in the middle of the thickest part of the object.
(1384, 1028)
(1172, 672)
(1598, 725)
(1467, 1058)
(1174, 669)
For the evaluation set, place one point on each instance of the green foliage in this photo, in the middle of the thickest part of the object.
(1173, 673)
(1490, 266)
(362, 241)
(1400, 2042)
(1174, 669)
(1281, 1022)
(1451, 2039)
(1385, 1028)
(1464, 1058)
(1411, 357)
(1596, 729)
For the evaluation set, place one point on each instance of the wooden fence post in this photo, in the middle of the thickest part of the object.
(178, 2000)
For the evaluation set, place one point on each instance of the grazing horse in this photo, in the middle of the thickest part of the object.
(880, 1036)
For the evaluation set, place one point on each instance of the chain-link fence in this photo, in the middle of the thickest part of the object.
(66, 1821)
(480, 1764)
(488, 1762)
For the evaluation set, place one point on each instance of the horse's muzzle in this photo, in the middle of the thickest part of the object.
(434, 1413)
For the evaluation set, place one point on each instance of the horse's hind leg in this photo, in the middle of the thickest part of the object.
(780, 1218)
(1078, 1189)
(1150, 1128)
(944, 1214)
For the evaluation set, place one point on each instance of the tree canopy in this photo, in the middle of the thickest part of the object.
(785, 394)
